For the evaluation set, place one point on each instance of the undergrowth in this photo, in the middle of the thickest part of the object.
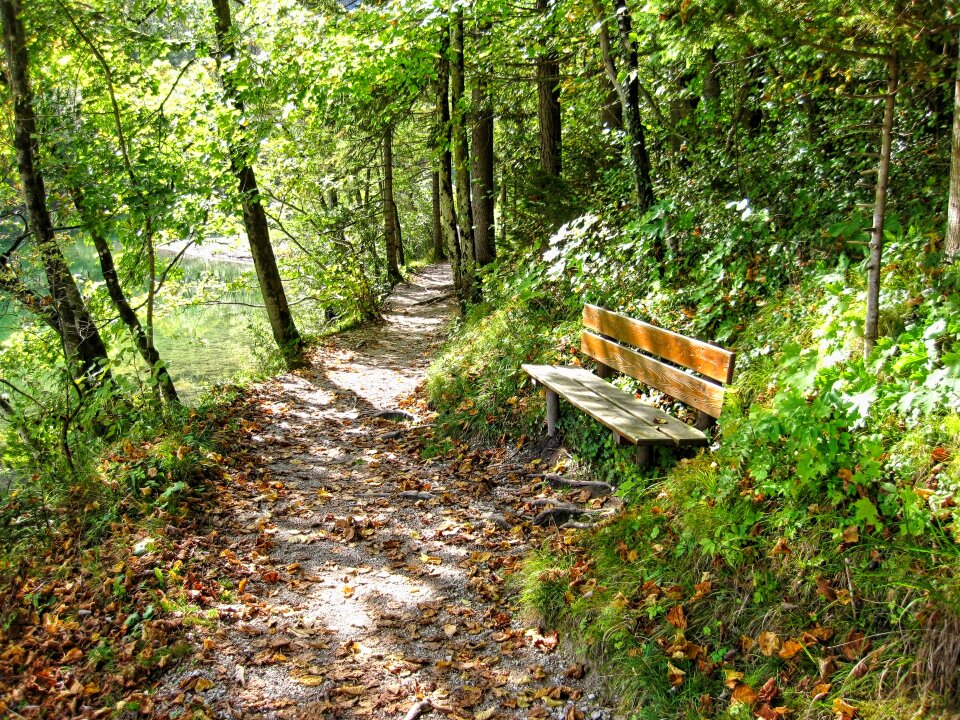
(803, 566)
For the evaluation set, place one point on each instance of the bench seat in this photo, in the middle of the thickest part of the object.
(631, 419)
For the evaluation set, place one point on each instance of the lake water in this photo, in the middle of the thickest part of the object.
(205, 333)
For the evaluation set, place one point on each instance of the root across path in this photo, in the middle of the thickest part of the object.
(356, 579)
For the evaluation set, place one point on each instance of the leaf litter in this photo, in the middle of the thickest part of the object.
(348, 577)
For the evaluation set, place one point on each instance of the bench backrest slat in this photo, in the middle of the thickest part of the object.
(709, 360)
(696, 392)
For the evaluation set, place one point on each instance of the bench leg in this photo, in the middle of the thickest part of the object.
(644, 455)
(553, 412)
(604, 371)
(704, 422)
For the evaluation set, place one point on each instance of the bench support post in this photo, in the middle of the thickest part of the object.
(604, 371)
(704, 422)
(644, 455)
(553, 412)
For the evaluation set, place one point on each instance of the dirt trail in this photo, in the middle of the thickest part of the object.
(363, 580)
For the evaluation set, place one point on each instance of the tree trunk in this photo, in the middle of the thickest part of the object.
(628, 89)
(461, 157)
(83, 345)
(482, 176)
(879, 209)
(448, 213)
(439, 255)
(639, 157)
(952, 239)
(142, 339)
(390, 225)
(548, 113)
(284, 329)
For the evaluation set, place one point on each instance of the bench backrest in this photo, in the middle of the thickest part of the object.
(610, 334)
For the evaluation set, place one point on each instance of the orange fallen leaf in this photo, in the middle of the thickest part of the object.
(781, 548)
(790, 649)
(744, 694)
(74, 655)
(677, 617)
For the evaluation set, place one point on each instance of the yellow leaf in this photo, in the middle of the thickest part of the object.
(348, 590)
(731, 677)
(769, 643)
(311, 680)
(675, 675)
(203, 684)
(430, 560)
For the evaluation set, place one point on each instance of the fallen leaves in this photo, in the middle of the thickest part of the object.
(675, 676)
(677, 617)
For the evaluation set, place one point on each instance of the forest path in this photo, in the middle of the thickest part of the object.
(351, 578)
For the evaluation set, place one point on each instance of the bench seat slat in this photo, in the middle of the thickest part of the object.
(632, 419)
(691, 390)
(709, 360)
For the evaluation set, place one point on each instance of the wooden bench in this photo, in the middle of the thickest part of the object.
(655, 357)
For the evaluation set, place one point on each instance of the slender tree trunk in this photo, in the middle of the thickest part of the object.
(461, 157)
(952, 239)
(639, 157)
(390, 225)
(880, 208)
(284, 329)
(439, 254)
(83, 345)
(448, 213)
(484, 192)
(141, 338)
(548, 104)
(628, 89)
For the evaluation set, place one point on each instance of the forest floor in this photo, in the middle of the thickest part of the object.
(337, 573)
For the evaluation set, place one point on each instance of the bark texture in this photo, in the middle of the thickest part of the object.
(439, 254)
(390, 222)
(952, 238)
(548, 107)
(627, 83)
(461, 157)
(448, 213)
(284, 329)
(484, 193)
(871, 326)
(83, 345)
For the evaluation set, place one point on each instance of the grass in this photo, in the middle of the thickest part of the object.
(782, 569)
